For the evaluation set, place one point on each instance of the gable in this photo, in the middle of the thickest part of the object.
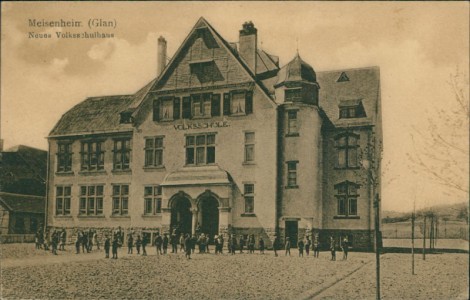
(203, 60)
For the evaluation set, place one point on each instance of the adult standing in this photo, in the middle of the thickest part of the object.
(145, 241)
(187, 246)
(158, 243)
(251, 244)
(107, 246)
(165, 243)
(332, 248)
(130, 244)
(261, 245)
(241, 243)
(115, 246)
(287, 246)
(233, 244)
(308, 242)
(276, 244)
(95, 240)
(300, 246)
(138, 243)
(63, 239)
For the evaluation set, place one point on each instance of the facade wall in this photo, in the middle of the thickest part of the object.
(4, 220)
(303, 201)
(334, 175)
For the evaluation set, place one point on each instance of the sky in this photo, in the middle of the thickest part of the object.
(416, 45)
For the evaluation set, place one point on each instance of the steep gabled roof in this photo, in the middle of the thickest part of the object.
(363, 84)
(23, 203)
(94, 115)
(202, 23)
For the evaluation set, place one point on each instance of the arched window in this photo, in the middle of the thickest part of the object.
(347, 145)
(346, 195)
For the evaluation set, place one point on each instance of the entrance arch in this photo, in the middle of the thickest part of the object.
(181, 216)
(208, 219)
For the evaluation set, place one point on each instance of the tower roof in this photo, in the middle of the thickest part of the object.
(296, 70)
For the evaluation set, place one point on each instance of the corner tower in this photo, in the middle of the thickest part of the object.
(300, 143)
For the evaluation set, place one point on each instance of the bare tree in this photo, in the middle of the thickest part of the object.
(441, 151)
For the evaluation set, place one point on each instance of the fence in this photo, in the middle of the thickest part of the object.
(400, 232)
(17, 238)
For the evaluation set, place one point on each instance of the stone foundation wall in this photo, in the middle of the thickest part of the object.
(362, 240)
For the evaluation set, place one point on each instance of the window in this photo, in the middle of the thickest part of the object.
(91, 200)
(186, 107)
(64, 157)
(153, 200)
(238, 103)
(176, 108)
(351, 109)
(122, 154)
(62, 200)
(201, 105)
(200, 149)
(249, 194)
(154, 152)
(347, 150)
(293, 95)
(166, 109)
(249, 147)
(347, 198)
(92, 156)
(120, 199)
(292, 122)
(292, 174)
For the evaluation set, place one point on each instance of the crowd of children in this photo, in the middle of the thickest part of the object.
(85, 240)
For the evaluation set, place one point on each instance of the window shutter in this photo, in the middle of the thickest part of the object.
(215, 105)
(226, 104)
(186, 108)
(156, 110)
(176, 108)
(249, 102)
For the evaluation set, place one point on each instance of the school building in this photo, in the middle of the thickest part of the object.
(225, 140)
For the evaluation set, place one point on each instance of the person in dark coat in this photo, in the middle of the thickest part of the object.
(115, 247)
(165, 243)
(145, 241)
(241, 243)
(333, 248)
(77, 243)
(261, 245)
(158, 243)
(107, 246)
(300, 246)
(276, 245)
(233, 244)
(130, 244)
(193, 243)
(288, 245)
(251, 244)
(187, 246)
(85, 243)
(174, 242)
(138, 243)
(308, 243)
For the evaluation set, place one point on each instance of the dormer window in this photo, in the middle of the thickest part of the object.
(351, 109)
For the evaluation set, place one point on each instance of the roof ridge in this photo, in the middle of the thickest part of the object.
(107, 96)
(350, 69)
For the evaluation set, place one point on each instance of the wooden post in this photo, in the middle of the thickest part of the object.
(424, 238)
(377, 245)
(413, 243)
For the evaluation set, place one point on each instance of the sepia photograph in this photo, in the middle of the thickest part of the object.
(234, 150)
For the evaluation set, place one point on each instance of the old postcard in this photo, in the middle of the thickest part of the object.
(234, 150)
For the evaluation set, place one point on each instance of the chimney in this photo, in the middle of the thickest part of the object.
(161, 55)
(248, 44)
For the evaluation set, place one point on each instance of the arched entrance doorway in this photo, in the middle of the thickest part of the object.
(181, 216)
(209, 216)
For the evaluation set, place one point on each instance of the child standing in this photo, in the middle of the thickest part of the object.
(287, 246)
(138, 242)
(107, 245)
(115, 247)
(261, 245)
(300, 245)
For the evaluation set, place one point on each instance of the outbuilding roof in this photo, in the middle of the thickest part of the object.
(22, 203)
